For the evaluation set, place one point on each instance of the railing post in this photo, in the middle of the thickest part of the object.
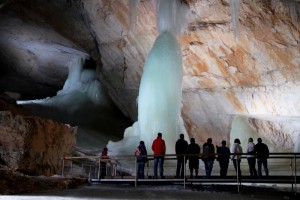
(136, 168)
(237, 174)
(99, 168)
(72, 168)
(295, 173)
(184, 167)
(63, 167)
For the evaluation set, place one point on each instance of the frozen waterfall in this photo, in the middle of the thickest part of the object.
(159, 100)
(82, 102)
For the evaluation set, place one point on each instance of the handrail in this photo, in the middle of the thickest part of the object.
(167, 155)
(118, 159)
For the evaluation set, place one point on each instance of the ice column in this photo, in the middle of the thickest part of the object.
(160, 92)
(159, 100)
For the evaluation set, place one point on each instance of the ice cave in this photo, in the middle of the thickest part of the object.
(118, 72)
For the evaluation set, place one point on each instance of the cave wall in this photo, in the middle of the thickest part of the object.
(33, 145)
(255, 74)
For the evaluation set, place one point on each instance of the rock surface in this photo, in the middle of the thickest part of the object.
(13, 183)
(255, 74)
(34, 145)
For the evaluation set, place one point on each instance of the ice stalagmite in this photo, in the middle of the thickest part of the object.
(160, 92)
(159, 100)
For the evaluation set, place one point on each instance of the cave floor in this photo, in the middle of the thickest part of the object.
(128, 191)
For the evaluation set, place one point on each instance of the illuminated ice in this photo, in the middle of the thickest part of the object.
(82, 102)
(160, 92)
(159, 99)
(234, 6)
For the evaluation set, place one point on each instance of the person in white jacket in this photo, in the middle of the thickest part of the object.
(236, 150)
(251, 158)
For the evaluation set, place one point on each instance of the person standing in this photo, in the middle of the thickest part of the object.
(193, 148)
(262, 154)
(208, 156)
(251, 158)
(180, 149)
(141, 160)
(236, 156)
(159, 149)
(103, 160)
(223, 158)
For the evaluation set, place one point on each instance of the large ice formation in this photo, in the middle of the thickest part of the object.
(82, 102)
(160, 92)
(159, 101)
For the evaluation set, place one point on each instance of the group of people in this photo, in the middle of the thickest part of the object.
(255, 153)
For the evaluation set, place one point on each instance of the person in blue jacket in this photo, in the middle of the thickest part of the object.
(141, 160)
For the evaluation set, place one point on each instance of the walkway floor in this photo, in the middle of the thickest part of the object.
(195, 191)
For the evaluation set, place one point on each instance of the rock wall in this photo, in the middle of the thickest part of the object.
(254, 74)
(34, 145)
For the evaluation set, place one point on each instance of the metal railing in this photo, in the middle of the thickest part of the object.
(283, 168)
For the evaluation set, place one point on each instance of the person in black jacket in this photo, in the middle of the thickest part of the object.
(141, 160)
(262, 154)
(193, 148)
(208, 157)
(223, 158)
(180, 149)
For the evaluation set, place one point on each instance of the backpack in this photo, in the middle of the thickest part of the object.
(137, 152)
(206, 153)
(266, 152)
(224, 153)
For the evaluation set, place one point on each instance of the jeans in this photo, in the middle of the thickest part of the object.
(159, 161)
(223, 167)
(264, 162)
(180, 166)
(251, 163)
(208, 164)
(140, 169)
(103, 169)
(237, 166)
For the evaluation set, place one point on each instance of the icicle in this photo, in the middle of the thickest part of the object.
(133, 14)
(171, 16)
(293, 12)
(234, 6)
(287, 6)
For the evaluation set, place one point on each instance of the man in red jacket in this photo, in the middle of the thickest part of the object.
(159, 149)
